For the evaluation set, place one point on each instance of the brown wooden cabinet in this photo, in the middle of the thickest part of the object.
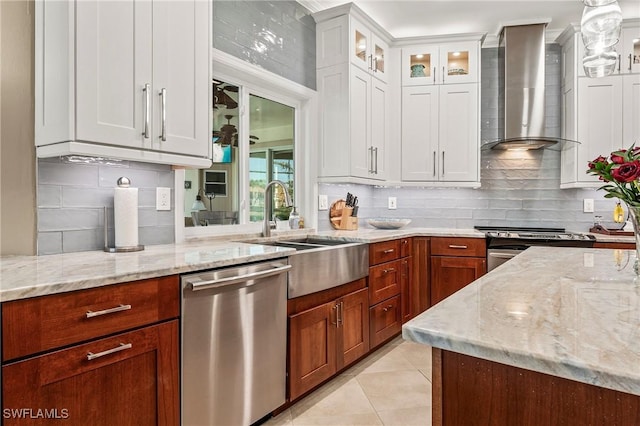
(88, 363)
(455, 263)
(390, 284)
(326, 338)
(614, 245)
(415, 293)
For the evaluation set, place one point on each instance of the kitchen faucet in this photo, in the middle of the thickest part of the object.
(268, 224)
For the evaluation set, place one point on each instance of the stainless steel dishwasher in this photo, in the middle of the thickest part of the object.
(234, 325)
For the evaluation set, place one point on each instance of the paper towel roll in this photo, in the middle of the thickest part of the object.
(125, 206)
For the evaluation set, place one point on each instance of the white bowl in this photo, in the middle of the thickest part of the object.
(388, 222)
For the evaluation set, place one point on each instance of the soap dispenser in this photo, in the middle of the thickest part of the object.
(294, 219)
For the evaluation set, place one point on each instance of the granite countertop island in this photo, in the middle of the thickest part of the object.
(572, 313)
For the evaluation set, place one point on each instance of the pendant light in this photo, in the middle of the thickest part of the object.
(600, 29)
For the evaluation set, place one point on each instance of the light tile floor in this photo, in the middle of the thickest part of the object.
(392, 386)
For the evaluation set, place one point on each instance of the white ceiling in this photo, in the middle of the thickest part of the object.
(414, 18)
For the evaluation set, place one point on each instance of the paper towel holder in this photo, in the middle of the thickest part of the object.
(108, 249)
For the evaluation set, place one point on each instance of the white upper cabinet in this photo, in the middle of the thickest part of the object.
(440, 133)
(630, 49)
(352, 73)
(135, 75)
(600, 113)
(343, 37)
(448, 63)
(440, 142)
(368, 51)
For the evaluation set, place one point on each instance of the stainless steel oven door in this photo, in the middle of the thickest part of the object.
(496, 257)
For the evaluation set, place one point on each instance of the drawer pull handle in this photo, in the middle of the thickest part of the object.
(389, 251)
(91, 314)
(453, 246)
(405, 241)
(387, 308)
(122, 347)
(386, 271)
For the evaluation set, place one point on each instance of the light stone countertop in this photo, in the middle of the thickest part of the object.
(568, 312)
(22, 277)
(29, 276)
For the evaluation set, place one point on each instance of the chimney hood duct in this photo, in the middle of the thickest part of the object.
(521, 96)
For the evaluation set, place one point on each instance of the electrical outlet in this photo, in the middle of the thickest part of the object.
(587, 206)
(323, 202)
(392, 203)
(163, 198)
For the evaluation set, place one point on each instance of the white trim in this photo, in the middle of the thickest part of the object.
(258, 81)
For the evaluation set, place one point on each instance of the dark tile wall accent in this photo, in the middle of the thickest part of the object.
(518, 188)
(279, 36)
(72, 196)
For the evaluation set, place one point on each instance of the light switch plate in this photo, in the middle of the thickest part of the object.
(323, 202)
(163, 198)
(588, 205)
(392, 203)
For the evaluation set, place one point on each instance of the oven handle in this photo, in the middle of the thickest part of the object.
(503, 255)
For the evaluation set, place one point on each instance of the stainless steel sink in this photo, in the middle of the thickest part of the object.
(319, 264)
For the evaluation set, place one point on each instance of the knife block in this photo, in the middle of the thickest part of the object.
(340, 216)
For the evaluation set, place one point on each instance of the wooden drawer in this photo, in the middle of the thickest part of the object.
(384, 281)
(467, 247)
(34, 325)
(102, 382)
(384, 252)
(385, 320)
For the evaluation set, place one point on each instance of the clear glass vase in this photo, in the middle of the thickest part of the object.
(634, 217)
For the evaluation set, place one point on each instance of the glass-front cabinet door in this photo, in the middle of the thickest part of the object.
(458, 62)
(367, 50)
(419, 65)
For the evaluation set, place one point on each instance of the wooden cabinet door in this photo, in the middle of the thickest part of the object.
(421, 279)
(312, 348)
(180, 67)
(353, 341)
(386, 320)
(450, 274)
(133, 385)
(113, 64)
(409, 291)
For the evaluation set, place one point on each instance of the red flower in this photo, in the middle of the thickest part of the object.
(600, 159)
(616, 158)
(627, 172)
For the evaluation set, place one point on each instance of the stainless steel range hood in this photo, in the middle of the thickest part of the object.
(521, 96)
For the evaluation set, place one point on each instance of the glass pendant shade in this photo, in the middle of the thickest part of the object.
(600, 62)
(594, 3)
(600, 26)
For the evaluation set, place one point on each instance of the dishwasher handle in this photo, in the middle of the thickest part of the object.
(223, 282)
(503, 255)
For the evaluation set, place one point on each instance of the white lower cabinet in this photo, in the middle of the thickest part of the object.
(132, 75)
(440, 133)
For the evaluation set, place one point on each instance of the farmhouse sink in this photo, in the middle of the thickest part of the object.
(320, 264)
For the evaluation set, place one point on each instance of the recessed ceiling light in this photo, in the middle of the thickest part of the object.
(456, 53)
(419, 56)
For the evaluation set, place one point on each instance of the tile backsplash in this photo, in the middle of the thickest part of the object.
(279, 36)
(72, 194)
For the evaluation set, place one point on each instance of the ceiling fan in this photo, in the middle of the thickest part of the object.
(228, 134)
(220, 96)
